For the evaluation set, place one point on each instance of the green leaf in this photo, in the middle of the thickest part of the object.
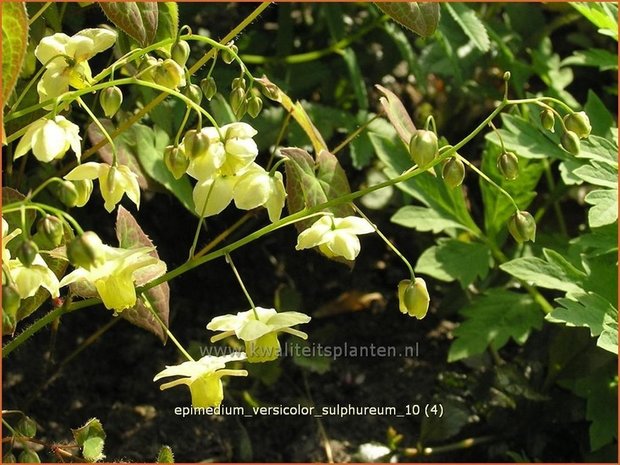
(602, 15)
(421, 18)
(600, 149)
(492, 319)
(553, 273)
(138, 19)
(598, 174)
(604, 207)
(91, 438)
(308, 185)
(608, 339)
(595, 57)
(149, 147)
(424, 219)
(14, 44)
(435, 428)
(167, 22)
(582, 309)
(130, 235)
(471, 25)
(165, 455)
(599, 241)
(452, 259)
(600, 117)
(397, 114)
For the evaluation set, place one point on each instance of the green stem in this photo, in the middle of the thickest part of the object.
(39, 13)
(182, 126)
(355, 133)
(43, 185)
(101, 128)
(148, 304)
(243, 288)
(387, 241)
(44, 208)
(316, 54)
(487, 179)
(556, 206)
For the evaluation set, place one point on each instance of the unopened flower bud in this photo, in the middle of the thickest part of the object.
(237, 99)
(508, 165)
(193, 93)
(29, 456)
(27, 251)
(227, 56)
(83, 187)
(570, 142)
(111, 99)
(209, 87)
(196, 144)
(255, 105)
(86, 250)
(271, 91)
(453, 172)
(176, 161)
(10, 300)
(238, 83)
(147, 67)
(9, 457)
(547, 119)
(579, 123)
(180, 52)
(413, 298)
(67, 193)
(423, 147)
(169, 74)
(26, 426)
(51, 228)
(522, 226)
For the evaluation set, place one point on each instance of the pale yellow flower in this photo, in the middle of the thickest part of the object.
(49, 139)
(114, 182)
(203, 378)
(413, 298)
(335, 237)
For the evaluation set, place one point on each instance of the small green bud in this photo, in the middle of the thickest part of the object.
(67, 193)
(255, 105)
(423, 147)
(506, 76)
(180, 52)
(271, 91)
(176, 161)
(9, 457)
(147, 68)
(196, 143)
(85, 250)
(570, 142)
(111, 179)
(579, 123)
(243, 108)
(29, 456)
(237, 99)
(193, 93)
(453, 172)
(209, 87)
(227, 56)
(238, 83)
(84, 188)
(413, 297)
(51, 228)
(508, 165)
(522, 226)
(165, 455)
(168, 74)
(547, 119)
(26, 426)
(110, 100)
(10, 300)
(27, 251)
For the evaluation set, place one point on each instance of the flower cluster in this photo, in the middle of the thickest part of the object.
(66, 60)
(222, 162)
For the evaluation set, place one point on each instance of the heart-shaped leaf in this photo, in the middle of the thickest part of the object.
(14, 44)
(397, 114)
(420, 17)
(138, 19)
(91, 438)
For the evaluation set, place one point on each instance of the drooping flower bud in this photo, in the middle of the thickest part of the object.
(522, 226)
(169, 74)
(193, 93)
(67, 194)
(570, 142)
(508, 165)
(453, 172)
(10, 300)
(271, 91)
(26, 426)
(180, 52)
(176, 161)
(209, 87)
(413, 298)
(85, 251)
(238, 83)
(51, 229)
(547, 119)
(29, 456)
(111, 99)
(579, 123)
(255, 105)
(26, 252)
(196, 143)
(237, 99)
(83, 187)
(423, 147)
